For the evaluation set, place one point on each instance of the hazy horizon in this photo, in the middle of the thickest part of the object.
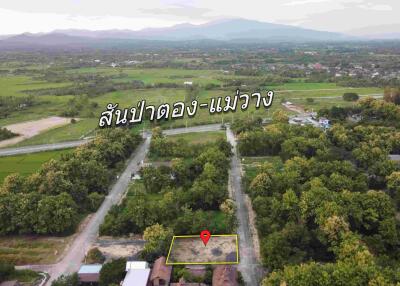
(46, 16)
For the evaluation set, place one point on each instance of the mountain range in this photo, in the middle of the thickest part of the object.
(224, 30)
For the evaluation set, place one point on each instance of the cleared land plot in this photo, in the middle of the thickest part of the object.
(82, 128)
(28, 163)
(190, 249)
(114, 248)
(23, 250)
(30, 129)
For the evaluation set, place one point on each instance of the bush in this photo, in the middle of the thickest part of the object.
(350, 96)
(6, 269)
(94, 256)
(6, 134)
(67, 280)
(95, 201)
(112, 272)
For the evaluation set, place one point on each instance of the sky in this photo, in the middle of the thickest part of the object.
(19, 16)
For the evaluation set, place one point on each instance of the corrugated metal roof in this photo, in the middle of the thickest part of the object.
(136, 265)
(394, 157)
(90, 268)
(137, 277)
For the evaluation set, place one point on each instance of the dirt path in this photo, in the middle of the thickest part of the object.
(249, 265)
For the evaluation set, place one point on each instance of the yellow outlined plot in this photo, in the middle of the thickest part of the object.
(196, 244)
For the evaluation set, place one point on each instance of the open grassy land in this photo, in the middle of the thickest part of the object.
(251, 164)
(32, 249)
(324, 94)
(28, 163)
(199, 137)
(16, 85)
(69, 132)
(26, 276)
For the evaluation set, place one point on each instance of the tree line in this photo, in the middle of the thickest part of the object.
(52, 200)
(327, 214)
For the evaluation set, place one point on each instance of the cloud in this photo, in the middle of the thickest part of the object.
(378, 7)
(179, 10)
(330, 15)
(304, 2)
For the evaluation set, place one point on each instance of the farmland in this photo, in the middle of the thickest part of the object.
(48, 104)
(26, 164)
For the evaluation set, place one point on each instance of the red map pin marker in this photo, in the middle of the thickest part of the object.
(205, 236)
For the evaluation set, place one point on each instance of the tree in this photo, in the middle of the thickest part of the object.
(393, 185)
(95, 200)
(261, 185)
(57, 214)
(158, 239)
(6, 269)
(392, 95)
(13, 183)
(280, 117)
(350, 96)
(154, 179)
(66, 280)
(112, 272)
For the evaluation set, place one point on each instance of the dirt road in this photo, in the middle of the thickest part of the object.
(249, 266)
(76, 253)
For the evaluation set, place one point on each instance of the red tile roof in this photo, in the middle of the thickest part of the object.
(224, 275)
(160, 270)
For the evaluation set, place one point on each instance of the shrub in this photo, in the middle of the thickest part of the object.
(94, 256)
(350, 96)
(112, 272)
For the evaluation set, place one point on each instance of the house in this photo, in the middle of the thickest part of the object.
(161, 273)
(137, 277)
(182, 282)
(130, 265)
(89, 273)
(225, 275)
(138, 274)
(188, 83)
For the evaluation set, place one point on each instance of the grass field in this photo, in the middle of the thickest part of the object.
(51, 105)
(27, 277)
(251, 164)
(199, 137)
(28, 163)
(32, 249)
(64, 133)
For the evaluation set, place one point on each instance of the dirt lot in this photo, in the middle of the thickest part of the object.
(220, 249)
(29, 129)
(114, 248)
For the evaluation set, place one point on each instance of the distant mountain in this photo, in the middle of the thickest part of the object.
(226, 30)
(378, 32)
(28, 40)
(220, 30)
